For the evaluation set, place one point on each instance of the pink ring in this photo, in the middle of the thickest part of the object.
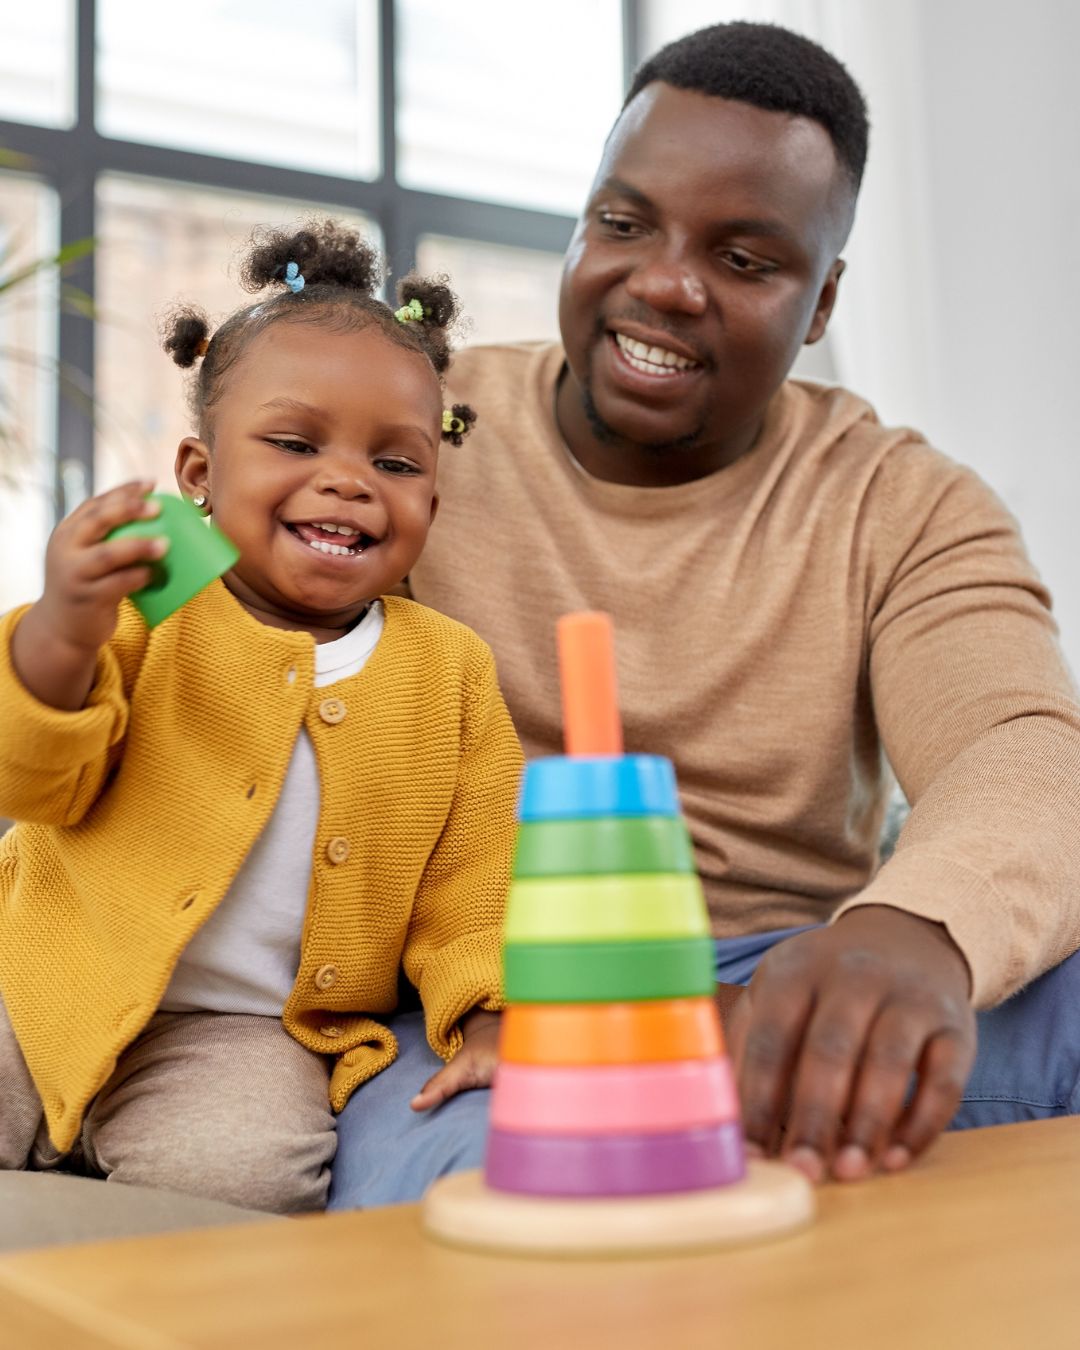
(613, 1098)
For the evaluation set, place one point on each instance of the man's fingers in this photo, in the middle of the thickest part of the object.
(943, 1071)
(831, 1051)
(892, 1053)
(766, 1035)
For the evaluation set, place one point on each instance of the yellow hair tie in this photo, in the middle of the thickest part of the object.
(413, 312)
(452, 425)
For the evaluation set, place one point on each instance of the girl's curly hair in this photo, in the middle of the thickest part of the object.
(339, 274)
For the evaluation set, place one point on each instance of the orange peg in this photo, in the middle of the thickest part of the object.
(590, 701)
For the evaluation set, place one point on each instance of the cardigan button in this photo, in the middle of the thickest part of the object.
(331, 1032)
(337, 850)
(332, 710)
(326, 976)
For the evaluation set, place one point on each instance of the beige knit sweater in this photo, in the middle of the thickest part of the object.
(840, 594)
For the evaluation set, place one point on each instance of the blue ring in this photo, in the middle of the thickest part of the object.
(566, 787)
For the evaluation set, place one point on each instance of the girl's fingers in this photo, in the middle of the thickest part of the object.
(111, 589)
(115, 555)
(89, 523)
(436, 1090)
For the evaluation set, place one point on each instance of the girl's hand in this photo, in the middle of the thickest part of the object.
(472, 1067)
(55, 645)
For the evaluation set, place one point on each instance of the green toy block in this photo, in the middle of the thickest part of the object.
(616, 908)
(198, 554)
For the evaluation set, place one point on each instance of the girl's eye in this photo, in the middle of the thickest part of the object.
(397, 466)
(294, 447)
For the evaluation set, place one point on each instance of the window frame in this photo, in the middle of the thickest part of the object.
(72, 159)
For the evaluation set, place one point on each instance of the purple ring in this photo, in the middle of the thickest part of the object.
(626, 1164)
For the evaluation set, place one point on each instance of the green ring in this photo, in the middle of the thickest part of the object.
(574, 848)
(608, 972)
(619, 908)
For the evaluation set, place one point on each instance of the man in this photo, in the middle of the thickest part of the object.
(797, 593)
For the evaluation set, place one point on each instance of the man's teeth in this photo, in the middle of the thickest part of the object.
(652, 360)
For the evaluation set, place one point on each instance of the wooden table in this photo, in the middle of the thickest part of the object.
(978, 1246)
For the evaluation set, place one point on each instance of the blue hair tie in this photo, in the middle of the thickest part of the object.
(293, 278)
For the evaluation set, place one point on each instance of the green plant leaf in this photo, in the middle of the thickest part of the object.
(67, 257)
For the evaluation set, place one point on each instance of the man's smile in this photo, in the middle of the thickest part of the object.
(643, 364)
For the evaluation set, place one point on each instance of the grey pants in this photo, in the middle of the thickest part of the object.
(221, 1105)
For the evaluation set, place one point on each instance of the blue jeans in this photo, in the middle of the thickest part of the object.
(1027, 1067)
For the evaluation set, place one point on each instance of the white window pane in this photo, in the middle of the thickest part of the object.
(507, 293)
(162, 243)
(499, 102)
(28, 310)
(266, 82)
(662, 21)
(37, 81)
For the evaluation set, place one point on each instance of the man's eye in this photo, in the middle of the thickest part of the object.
(743, 262)
(294, 447)
(618, 225)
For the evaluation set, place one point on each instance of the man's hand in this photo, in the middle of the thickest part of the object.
(830, 1031)
(472, 1067)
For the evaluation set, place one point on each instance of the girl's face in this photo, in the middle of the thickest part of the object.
(321, 471)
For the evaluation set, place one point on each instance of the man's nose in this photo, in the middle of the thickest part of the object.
(670, 283)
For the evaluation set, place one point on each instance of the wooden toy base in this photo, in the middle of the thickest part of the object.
(772, 1200)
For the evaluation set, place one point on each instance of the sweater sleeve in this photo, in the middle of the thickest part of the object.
(53, 764)
(979, 718)
(453, 949)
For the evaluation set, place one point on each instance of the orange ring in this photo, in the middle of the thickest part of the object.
(611, 1033)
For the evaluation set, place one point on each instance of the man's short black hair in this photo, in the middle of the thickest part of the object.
(771, 68)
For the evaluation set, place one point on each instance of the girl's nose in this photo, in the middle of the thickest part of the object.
(343, 479)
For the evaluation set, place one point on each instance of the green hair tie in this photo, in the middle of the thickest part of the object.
(451, 425)
(413, 312)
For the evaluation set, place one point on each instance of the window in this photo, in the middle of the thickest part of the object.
(166, 134)
(479, 113)
(163, 243)
(27, 384)
(507, 293)
(263, 81)
(37, 82)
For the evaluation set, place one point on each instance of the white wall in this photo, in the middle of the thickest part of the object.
(1002, 114)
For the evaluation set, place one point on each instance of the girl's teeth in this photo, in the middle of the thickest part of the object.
(324, 547)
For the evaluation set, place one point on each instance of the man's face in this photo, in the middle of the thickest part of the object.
(705, 258)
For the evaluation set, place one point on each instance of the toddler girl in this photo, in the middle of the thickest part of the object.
(237, 830)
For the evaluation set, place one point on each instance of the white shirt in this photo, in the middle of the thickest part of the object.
(245, 957)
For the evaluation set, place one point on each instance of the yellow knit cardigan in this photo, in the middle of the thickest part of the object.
(136, 812)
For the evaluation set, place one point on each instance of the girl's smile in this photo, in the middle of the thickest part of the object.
(321, 468)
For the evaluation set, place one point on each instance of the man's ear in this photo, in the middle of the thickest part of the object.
(193, 467)
(825, 302)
